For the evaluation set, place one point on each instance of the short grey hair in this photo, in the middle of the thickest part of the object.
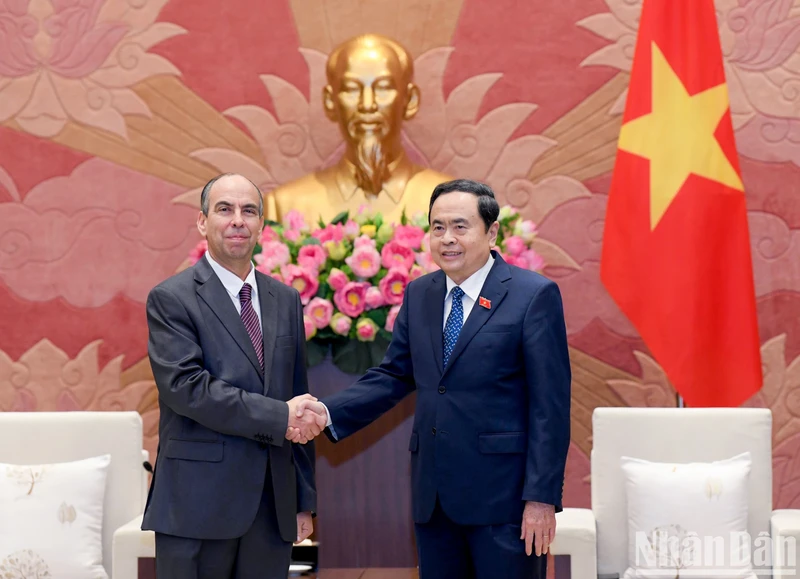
(207, 191)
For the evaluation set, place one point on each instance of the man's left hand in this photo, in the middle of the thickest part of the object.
(305, 526)
(538, 527)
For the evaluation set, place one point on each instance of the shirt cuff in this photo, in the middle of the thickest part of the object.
(329, 424)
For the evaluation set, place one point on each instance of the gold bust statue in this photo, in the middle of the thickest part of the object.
(369, 94)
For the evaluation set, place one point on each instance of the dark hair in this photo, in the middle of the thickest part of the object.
(207, 191)
(488, 208)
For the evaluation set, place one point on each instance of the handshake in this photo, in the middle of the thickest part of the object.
(307, 418)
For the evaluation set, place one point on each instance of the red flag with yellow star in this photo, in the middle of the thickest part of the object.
(676, 248)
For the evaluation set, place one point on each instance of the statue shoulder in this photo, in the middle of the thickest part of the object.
(428, 179)
(306, 184)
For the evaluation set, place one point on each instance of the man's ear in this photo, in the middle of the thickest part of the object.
(201, 223)
(412, 106)
(328, 102)
(494, 228)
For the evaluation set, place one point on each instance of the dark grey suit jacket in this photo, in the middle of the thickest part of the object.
(222, 420)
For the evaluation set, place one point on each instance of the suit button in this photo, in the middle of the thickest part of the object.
(433, 431)
(442, 389)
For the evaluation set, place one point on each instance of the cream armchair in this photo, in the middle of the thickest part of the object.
(49, 437)
(596, 539)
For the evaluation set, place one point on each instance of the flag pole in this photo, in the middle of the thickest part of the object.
(681, 403)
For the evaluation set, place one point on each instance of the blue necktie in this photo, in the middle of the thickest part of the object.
(454, 322)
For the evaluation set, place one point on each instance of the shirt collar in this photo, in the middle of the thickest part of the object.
(400, 172)
(473, 285)
(232, 282)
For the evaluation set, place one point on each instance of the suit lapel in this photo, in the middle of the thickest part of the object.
(216, 296)
(269, 323)
(494, 290)
(434, 313)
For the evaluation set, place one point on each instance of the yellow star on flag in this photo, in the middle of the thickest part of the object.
(677, 136)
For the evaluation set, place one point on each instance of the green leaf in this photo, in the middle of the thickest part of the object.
(341, 218)
(378, 221)
(355, 357)
(311, 241)
(378, 316)
(348, 271)
(271, 223)
(352, 356)
(317, 351)
(377, 350)
(324, 290)
(403, 218)
(321, 223)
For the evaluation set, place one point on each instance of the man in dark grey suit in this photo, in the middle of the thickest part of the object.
(229, 494)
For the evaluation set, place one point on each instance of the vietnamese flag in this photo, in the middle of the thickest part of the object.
(676, 248)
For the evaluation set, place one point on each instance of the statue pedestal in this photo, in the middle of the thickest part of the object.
(364, 486)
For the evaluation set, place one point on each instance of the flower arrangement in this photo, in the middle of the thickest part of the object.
(352, 273)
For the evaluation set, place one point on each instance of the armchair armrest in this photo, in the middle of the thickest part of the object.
(785, 533)
(576, 536)
(130, 543)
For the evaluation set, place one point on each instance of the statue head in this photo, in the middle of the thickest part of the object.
(369, 94)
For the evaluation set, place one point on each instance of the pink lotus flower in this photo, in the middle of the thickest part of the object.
(77, 60)
(425, 244)
(419, 219)
(337, 250)
(340, 324)
(198, 252)
(514, 245)
(295, 221)
(526, 230)
(393, 285)
(374, 298)
(329, 233)
(310, 327)
(409, 236)
(351, 229)
(516, 261)
(365, 262)
(292, 235)
(364, 241)
(534, 260)
(395, 255)
(366, 330)
(337, 278)
(351, 299)
(320, 311)
(391, 317)
(268, 234)
(312, 257)
(415, 272)
(273, 254)
(425, 261)
(301, 279)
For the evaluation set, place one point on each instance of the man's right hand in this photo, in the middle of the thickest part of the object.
(307, 418)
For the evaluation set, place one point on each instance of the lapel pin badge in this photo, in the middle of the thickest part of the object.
(484, 303)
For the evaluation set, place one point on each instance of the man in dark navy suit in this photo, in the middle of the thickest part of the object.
(227, 346)
(484, 346)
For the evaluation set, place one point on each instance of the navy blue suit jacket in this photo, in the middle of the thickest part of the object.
(223, 420)
(492, 429)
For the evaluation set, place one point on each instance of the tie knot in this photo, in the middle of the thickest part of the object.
(245, 293)
(458, 293)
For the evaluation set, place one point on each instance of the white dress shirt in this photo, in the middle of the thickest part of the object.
(233, 285)
(472, 287)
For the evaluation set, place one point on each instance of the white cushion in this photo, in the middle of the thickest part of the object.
(47, 437)
(672, 435)
(52, 519)
(688, 519)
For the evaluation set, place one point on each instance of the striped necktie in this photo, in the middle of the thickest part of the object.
(250, 321)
